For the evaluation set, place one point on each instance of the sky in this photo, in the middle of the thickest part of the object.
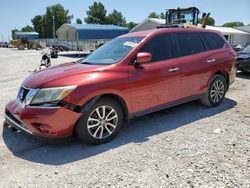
(18, 13)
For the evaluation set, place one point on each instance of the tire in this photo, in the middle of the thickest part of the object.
(215, 96)
(20, 47)
(245, 71)
(39, 47)
(34, 46)
(94, 128)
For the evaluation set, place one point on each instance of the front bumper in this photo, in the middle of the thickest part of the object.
(56, 122)
(243, 65)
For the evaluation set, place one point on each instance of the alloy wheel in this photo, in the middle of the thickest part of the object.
(102, 122)
(217, 91)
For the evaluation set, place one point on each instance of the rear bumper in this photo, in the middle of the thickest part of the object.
(232, 74)
(41, 122)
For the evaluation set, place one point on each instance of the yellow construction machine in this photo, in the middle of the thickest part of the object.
(23, 43)
(185, 18)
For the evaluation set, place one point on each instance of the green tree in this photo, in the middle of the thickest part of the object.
(130, 25)
(54, 17)
(13, 33)
(96, 14)
(27, 28)
(153, 15)
(210, 21)
(38, 23)
(233, 24)
(78, 21)
(162, 15)
(156, 15)
(115, 18)
(58, 15)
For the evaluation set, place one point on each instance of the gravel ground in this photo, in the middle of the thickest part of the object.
(185, 146)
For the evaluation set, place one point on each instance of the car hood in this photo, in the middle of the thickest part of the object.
(62, 75)
(243, 55)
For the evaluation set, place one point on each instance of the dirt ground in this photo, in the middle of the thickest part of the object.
(185, 146)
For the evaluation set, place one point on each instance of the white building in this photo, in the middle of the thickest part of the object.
(234, 36)
(245, 28)
(147, 24)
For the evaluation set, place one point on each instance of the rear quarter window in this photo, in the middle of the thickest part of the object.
(213, 40)
(190, 43)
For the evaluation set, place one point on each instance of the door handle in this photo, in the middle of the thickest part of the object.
(173, 69)
(210, 60)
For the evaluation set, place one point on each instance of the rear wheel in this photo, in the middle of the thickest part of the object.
(216, 91)
(20, 47)
(101, 122)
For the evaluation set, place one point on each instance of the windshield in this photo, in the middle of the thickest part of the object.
(185, 17)
(246, 48)
(112, 52)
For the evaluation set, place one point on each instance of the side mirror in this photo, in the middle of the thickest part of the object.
(143, 57)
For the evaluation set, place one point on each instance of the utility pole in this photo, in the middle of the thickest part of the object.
(54, 27)
(2, 38)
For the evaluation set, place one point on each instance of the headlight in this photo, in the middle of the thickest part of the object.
(38, 96)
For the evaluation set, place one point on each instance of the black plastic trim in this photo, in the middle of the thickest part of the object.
(168, 105)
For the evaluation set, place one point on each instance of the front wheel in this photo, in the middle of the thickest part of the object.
(101, 122)
(216, 91)
(34, 46)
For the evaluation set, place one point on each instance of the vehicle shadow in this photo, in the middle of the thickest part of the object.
(243, 75)
(137, 131)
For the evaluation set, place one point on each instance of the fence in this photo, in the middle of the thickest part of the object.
(82, 45)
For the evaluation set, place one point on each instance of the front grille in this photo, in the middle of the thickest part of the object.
(22, 93)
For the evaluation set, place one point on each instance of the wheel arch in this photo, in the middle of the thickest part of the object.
(94, 99)
(224, 74)
(205, 99)
(118, 99)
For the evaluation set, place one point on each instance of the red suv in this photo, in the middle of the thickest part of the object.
(132, 75)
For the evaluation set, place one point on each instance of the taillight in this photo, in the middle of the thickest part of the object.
(233, 53)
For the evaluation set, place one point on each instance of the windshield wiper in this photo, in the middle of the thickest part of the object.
(85, 62)
(90, 63)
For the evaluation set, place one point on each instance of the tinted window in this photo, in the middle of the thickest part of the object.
(160, 47)
(190, 43)
(213, 40)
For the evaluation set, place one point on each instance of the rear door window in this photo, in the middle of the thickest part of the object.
(160, 48)
(189, 43)
(213, 40)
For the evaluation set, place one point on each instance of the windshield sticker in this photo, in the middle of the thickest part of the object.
(129, 43)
